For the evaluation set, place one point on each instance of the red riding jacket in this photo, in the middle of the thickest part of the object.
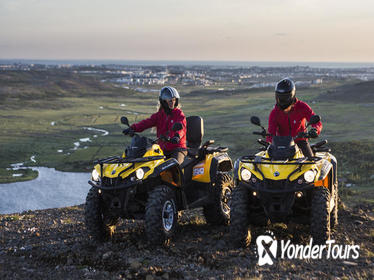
(291, 123)
(164, 124)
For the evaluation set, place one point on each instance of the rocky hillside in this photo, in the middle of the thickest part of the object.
(53, 244)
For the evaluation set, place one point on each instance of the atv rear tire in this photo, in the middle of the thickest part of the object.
(161, 215)
(218, 213)
(240, 233)
(94, 218)
(320, 216)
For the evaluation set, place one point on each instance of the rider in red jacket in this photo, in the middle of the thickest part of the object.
(168, 114)
(289, 116)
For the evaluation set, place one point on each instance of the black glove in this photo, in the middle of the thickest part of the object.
(128, 131)
(313, 133)
(175, 139)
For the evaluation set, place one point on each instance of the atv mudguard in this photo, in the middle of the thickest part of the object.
(206, 170)
(325, 169)
(170, 172)
(220, 163)
(328, 175)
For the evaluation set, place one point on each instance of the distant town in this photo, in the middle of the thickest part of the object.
(137, 76)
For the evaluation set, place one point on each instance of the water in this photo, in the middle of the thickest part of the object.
(52, 189)
(192, 62)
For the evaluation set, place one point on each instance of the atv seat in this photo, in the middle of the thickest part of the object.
(195, 133)
(187, 162)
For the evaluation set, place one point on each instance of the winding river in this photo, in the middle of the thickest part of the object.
(51, 189)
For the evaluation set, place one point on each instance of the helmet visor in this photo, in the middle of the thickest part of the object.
(284, 100)
(168, 93)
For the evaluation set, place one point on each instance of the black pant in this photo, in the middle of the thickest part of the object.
(178, 154)
(305, 148)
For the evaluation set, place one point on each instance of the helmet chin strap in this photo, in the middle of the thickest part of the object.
(167, 110)
(283, 107)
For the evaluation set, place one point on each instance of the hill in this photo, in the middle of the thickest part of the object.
(362, 92)
(43, 89)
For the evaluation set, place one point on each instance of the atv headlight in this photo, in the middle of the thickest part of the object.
(95, 175)
(309, 176)
(139, 174)
(245, 174)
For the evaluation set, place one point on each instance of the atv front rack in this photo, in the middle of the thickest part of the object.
(118, 160)
(264, 160)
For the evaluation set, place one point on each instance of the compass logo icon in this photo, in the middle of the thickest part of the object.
(266, 249)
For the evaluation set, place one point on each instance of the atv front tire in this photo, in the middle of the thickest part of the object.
(218, 213)
(240, 233)
(94, 218)
(320, 216)
(161, 215)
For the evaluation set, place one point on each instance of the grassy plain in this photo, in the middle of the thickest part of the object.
(43, 113)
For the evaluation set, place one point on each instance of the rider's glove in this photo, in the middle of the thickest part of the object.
(175, 139)
(313, 133)
(128, 131)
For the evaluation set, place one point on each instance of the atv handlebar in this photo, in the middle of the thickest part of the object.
(302, 134)
(263, 142)
(258, 133)
(130, 132)
(319, 144)
(263, 133)
(208, 143)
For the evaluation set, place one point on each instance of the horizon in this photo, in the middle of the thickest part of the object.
(211, 30)
(155, 62)
(191, 60)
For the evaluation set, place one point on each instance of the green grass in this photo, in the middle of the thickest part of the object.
(16, 217)
(6, 176)
(29, 102)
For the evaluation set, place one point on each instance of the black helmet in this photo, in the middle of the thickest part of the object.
(167, 93)
(285, 92)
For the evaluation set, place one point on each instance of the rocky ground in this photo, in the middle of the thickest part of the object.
(53, 244)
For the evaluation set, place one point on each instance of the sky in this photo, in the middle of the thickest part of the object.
(198, 30)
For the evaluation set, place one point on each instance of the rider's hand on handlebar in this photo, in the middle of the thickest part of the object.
(175, 139)
(128, 131)
(302, 135)
(313, 133)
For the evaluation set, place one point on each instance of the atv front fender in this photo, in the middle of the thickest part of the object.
(220, 163)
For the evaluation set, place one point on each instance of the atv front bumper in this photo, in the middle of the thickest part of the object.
(276, 187)
(278, 198)
(114, 186)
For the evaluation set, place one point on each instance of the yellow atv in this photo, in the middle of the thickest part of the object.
(281, 185)
(144, 184)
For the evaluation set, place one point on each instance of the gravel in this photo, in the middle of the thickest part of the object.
(53, 244)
